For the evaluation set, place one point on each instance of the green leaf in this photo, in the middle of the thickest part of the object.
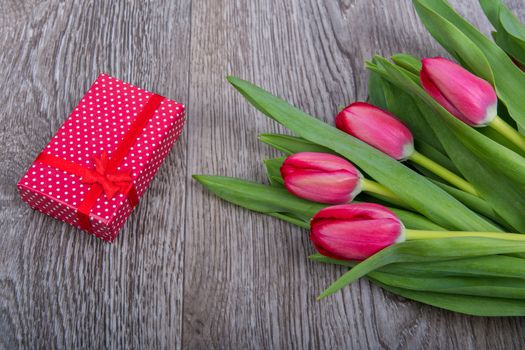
(492, 9)
(415, 221)
(502, 140)
(403, 106)
(495, 287)
(424, 251)
(452, 38)
(273, 171)
(257, 197)
(475, 203)
(280, 203)
(291, 219)
(408, 62)
(412, 188)
(510, 33)
(466, 304)
(485, 266)
(477, 52)
(482, 161)
(376, 95)
(290, 144)
(435, 155)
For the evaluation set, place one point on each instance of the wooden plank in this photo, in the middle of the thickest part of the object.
(247, 281)
(60, 288)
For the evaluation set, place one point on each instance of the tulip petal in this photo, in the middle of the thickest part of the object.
(378, 128)
(333, 188)
(320, 161)
(473, 99)
(433, 91)
(321, 177)
(355, 231)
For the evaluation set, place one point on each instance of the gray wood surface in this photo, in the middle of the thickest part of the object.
(188, 270)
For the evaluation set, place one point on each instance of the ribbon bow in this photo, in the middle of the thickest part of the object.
(111, 183)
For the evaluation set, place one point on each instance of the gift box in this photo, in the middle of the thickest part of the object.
(101, 161)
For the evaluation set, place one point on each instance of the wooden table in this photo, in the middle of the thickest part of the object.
(189, 270)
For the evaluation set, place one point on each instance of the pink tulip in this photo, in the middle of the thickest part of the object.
(355, 231)
(321, 177)
(466, 96)
(378, 128)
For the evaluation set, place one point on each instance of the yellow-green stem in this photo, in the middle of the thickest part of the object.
(508, 132)
(421, 234)
(376, 188)
(443, 172)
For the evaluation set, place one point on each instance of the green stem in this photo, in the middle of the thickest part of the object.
(422, 234)
(376, 188)
(508, 132)
(443, 172)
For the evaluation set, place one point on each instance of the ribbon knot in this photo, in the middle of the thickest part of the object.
(111, 182)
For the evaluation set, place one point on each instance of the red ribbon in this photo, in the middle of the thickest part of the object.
(105, 178)
(111, 183)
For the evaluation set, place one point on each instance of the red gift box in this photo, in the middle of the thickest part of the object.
(101, 161)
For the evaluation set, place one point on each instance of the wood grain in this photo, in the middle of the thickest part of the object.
(60, 288)
(188, 270)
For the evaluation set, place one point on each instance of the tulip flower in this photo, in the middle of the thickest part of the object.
(378, 128)
(357, 231)
(327, 178)
(466, 96)
(385, 132)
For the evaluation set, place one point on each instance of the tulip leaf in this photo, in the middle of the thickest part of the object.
(453, 39)
(430, 276)
(498, 287)
(291, 219)
(273, 170)
(415, 221)
(510, 33)
(502, 140)
(257, 197)
(421, 194)
(408, 62)
(436, 156)
(290, 144)
(488, 266)
(470, 47)
(403, 107)
(279, 203)
(426, 250)
(507, 201)
(376, 94)
(475, 203)
(481, 160)
(466, 304)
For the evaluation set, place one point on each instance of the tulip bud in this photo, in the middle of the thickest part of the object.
(355, 231)
(466, 96)
(378, 128)
(321, 177)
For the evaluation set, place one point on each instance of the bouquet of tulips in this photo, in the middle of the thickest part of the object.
(422, 189)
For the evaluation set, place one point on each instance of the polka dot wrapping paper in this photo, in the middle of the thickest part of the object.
(115, 125)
